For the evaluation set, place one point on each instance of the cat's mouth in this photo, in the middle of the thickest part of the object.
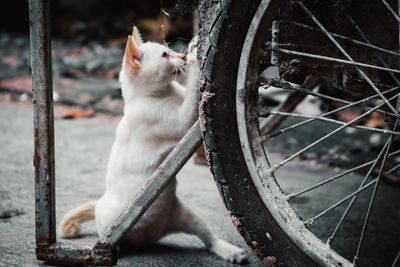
(179, 70)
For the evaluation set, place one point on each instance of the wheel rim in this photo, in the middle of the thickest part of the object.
(260, 168)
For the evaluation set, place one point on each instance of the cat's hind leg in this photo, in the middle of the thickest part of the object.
(188, 222)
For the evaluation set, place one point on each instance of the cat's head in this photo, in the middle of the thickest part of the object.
(150, 64)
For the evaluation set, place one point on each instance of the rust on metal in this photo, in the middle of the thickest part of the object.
(99, 255)
(103, 254)
(39, 16)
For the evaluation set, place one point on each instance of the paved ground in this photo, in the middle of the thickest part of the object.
(82, 148)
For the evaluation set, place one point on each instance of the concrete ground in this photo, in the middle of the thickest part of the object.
(82, 148)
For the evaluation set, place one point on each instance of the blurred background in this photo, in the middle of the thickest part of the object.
(88, 39)
(88, 44)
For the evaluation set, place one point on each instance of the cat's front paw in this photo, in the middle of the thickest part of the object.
(193, 44)
(191, 57)
(229, 252)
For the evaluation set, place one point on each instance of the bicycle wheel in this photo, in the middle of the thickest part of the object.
(264, 60)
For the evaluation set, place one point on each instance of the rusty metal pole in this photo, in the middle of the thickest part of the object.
(46, 247)
(39, 18)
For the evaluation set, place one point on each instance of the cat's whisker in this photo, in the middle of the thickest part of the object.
(182, 70)
(175, 72)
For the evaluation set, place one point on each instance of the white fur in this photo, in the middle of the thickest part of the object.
(158, 112)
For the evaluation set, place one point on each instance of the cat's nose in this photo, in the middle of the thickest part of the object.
(178, 55)
(182, 56)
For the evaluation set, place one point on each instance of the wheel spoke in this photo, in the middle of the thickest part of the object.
(338, 46)
(392, 169)
(395, 15)
(349, 206)
(337, 60)
(277, 166)
(364, 36)
(372, 201)
(321, 118)
(350, 104)
(289, 86)
(354, 194)
(266, 83)
(366, 44)
(342, 174)
(288, 105)
(396, 260)
(358, 191)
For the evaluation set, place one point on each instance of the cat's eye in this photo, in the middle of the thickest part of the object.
(164, 54)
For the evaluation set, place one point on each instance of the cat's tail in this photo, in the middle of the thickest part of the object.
(71, 223)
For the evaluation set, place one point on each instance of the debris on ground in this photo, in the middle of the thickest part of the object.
(74, 113)
(7, 209)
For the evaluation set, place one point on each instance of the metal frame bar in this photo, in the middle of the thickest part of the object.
(43, 159)
(47, 248)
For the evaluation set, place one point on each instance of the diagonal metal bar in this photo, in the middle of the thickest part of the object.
(342, 174)
(277, 166)
(340, 48)
(372, 201)
(321, 118)
(154, 186)
(337, 60)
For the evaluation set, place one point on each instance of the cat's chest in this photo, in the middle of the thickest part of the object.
(136, 146)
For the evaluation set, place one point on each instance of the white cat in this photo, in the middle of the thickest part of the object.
(158, 112)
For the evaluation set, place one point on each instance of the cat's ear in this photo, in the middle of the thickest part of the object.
(136, 34)
(132, 52)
